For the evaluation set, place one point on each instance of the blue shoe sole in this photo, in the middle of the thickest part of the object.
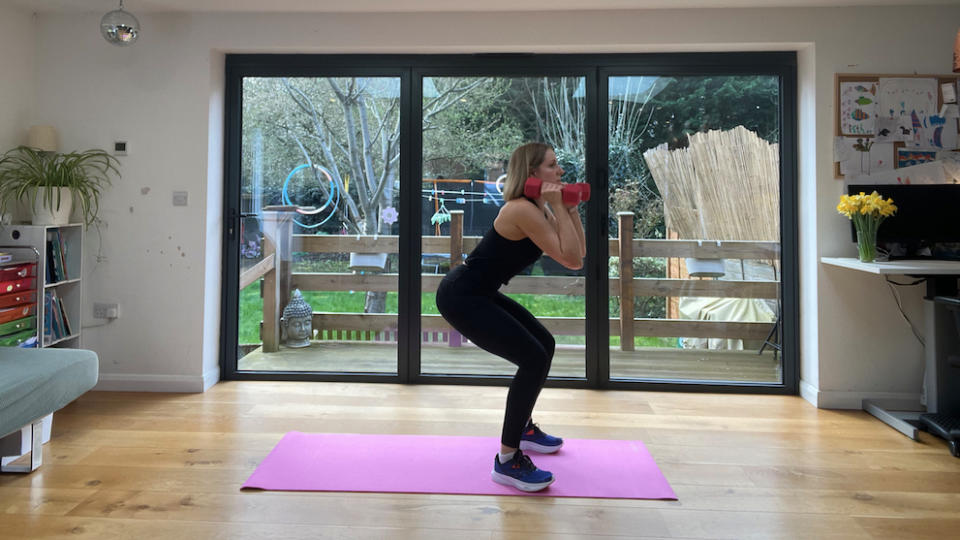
(522, 486)
(530, 445)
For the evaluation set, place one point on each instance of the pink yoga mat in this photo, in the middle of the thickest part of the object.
(457, 465)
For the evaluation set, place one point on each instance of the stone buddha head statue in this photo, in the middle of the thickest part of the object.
(297, 321)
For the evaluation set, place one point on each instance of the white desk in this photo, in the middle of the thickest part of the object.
(920, 268)
(940, 336)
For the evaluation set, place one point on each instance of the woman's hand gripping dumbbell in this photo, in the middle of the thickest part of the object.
(573, 194)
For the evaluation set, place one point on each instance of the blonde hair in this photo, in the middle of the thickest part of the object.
(524, 160)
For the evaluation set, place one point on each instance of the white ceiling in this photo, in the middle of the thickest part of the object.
(365, 6)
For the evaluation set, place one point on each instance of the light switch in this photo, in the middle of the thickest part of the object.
(179, 198)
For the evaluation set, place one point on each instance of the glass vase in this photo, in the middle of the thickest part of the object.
(867, 243)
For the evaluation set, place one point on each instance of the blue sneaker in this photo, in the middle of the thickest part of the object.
(538, 441)
(520, 473)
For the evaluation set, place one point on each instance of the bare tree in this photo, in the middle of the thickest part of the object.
(360, 145)
(559, 106)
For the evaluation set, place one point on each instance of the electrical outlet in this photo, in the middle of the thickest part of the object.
(119, 148)
(106, 311)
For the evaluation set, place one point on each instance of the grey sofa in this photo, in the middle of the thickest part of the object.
(34, 383)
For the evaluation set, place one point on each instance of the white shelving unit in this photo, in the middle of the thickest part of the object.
(70, 290)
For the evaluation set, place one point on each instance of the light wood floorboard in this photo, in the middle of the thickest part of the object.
(170, 466)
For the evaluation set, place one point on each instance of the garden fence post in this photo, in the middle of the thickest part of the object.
(625, 240)
(269, 323)
(456, 238)
(277, 229)
(456, 259)
(284, 258)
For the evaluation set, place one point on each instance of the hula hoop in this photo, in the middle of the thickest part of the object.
(285, 197)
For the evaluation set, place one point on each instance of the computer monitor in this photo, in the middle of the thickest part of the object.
(927, 222)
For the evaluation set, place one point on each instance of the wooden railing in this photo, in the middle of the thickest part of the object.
(278, 281)
(274, 271)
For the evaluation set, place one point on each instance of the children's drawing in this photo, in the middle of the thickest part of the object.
(861, 155)
(940, 133)
(889, 131)
(925, 173)
(858, 108)
(910, 101)
(951, 166)
(908, 157)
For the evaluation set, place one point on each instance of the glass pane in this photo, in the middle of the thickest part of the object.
(320, 187)
(695, 206)
(470, 127)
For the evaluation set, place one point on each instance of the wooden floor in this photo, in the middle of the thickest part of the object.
(644, 363)
(170, 466)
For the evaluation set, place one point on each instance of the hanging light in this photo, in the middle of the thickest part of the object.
(956, 54)
(119, 27)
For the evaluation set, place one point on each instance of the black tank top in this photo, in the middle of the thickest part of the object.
(497, 259)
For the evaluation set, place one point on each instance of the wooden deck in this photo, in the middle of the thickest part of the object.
(644, 363)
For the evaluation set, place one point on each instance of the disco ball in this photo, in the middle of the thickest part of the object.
(119, 27)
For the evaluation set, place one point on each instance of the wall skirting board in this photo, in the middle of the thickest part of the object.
(809, 392)
(133, 382)
(210, 378)
(838, 399)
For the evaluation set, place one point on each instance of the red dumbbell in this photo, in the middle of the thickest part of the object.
(572, 193)
(584, 191)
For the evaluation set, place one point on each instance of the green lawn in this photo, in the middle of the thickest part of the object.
(541, 305)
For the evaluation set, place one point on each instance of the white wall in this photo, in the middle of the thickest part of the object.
(163, 96)
(863, 346)
(17, 81)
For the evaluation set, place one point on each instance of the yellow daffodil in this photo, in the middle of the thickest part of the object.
(867, 213)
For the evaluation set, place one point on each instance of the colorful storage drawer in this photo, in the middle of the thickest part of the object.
(17, 339)
(17, 298)
(19, 325)
(20, 271)
(18, 285)
(19, 312)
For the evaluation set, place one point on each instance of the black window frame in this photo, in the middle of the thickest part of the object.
(595, 68)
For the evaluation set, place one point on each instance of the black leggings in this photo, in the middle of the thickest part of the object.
(500, 326)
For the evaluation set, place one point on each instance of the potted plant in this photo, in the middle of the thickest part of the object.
(50, 183)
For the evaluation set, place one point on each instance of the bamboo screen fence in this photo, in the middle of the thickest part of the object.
(724, 186)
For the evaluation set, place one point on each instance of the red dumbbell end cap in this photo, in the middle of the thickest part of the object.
(531, 188)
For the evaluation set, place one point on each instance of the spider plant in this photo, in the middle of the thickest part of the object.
(27, 174)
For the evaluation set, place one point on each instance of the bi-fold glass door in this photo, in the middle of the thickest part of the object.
(319, 186)
(694, 202)
(355, 182)
(470, 125)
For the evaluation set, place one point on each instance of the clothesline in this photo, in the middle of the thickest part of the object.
(458, 180)
(460, 192)
(462, 200)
